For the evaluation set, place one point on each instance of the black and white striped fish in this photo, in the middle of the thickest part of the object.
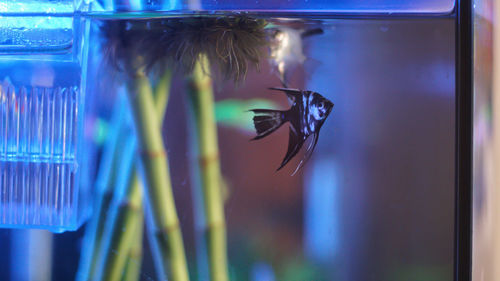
(306, 116)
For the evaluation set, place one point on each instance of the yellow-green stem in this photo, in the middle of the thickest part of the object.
(202, 102)
(122, 232)
(105, 182)
(133, 267)
(134, 260)
(162, 94)
(129, 214)
(166, 232)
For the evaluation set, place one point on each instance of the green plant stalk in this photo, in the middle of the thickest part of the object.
(104, 200)
(162, 94)
(202, 102)
(133, 267)
(134, 260)
(105, 181)
(123, 232)
(129, 215)
(165, 231)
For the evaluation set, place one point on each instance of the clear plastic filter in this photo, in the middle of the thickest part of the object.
(42, 118)
(38, 124)
(38, 163)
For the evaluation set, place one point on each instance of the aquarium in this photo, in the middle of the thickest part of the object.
(237, 140)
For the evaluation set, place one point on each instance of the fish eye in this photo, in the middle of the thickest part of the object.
(321, 105)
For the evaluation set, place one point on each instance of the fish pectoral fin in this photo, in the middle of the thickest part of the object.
(295, 142)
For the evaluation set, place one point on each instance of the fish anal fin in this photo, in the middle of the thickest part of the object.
(295, 142)
(309, 150)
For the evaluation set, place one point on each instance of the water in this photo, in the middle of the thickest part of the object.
(374, 202)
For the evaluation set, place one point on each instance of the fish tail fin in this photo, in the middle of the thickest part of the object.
(267, 121)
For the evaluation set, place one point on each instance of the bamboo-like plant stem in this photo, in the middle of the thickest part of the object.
(165, 229)
(133, 267)
(134, 260)
(122, 226)
(202, 102)
(105, 181)
(162, 94)
(123, 231)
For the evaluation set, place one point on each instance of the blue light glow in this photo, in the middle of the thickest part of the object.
(33, 23)
(36, 6)
(321, 216)
(262, 271)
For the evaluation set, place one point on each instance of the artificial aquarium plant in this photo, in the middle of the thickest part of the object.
(122, 238)
(202, 105)
(105, 183)
(118, 209)
(143, 50)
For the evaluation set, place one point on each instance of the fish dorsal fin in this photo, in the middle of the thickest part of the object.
(295, 142)
(292, 94)
(311, 31)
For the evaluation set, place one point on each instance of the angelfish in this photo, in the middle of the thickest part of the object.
(307, 114)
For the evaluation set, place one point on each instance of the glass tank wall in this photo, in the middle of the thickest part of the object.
(316, 6)
(375, 200)
(378, 191)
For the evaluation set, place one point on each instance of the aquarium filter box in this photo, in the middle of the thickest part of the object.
(42, 112)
